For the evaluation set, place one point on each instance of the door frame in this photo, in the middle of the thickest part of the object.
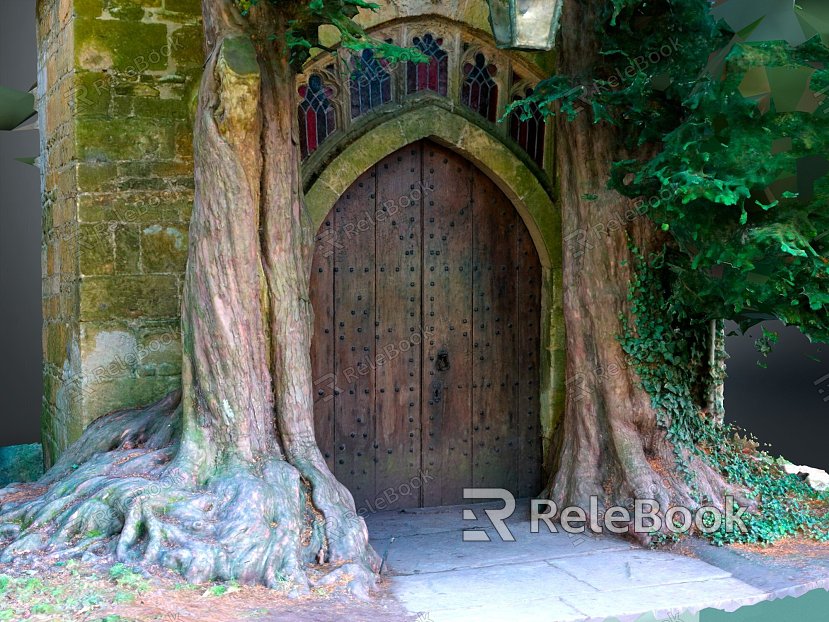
(529, 193)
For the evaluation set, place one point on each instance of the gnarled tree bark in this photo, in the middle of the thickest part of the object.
(609, 444)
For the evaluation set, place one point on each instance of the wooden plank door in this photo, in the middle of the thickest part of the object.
(426, 289)
(398, 329)
(494, 310)
(354, 313)
(447, 314)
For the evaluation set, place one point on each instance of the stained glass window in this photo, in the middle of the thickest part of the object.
(431, 76)
(479, 90)
(317, 117)
(529, 133)
(370, 83)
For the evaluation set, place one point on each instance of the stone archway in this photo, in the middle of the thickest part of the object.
(509, 173)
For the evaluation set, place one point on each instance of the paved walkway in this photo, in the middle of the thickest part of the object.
(570, 578)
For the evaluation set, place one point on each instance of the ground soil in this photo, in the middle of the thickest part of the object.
(95, 592)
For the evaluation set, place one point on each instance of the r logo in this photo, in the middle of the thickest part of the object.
(496, 517)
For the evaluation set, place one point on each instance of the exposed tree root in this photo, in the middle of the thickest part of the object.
(636, 466)
(119, 492)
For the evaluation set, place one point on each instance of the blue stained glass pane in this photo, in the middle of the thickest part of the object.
(370, 84)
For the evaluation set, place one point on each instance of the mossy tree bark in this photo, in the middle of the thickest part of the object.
(608, 444)
(224, 481)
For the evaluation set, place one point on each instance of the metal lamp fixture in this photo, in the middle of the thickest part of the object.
(525, 24)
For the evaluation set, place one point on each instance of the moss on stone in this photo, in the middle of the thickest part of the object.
(88, 8)
(127, 253)
(93, 93)
(124, 46)
(94, 176)
(164, 248)
(157, 108)
(96, 251)
(127, 10)
(120, 297)
(191, 7)
(107, 140)
(186, 46)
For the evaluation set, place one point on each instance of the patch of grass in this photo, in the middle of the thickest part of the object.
(124, 576)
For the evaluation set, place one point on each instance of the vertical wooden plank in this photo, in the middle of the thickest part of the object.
(528, 300)
(354, 302)
(495, 382)
(399, 329)
(447, 280)
(322, 349)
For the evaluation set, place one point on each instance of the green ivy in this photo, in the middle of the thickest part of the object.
(667, 347)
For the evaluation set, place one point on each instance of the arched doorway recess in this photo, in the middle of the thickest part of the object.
(427, 288)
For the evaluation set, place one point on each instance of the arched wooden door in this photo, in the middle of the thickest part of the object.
(426, 291)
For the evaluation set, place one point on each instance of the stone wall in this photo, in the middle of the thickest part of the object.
(117, 78)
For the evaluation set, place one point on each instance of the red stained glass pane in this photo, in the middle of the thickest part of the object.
(317, 118)
(432, 75)
(529, 132)
(479, 91)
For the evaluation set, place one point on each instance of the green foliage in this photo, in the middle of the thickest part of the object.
(306, 17)
(765, 343)
(750, 192)
(667, 347)
(740, 137)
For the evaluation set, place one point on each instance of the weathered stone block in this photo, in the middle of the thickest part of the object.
(191, 7)
(135, 207)
(93, 93)
(107, 140)
(159, 349)
(97, 254)
(121, 45)
(120, 393)
(122, 297)
(57, 339)
(157, 108)
(95, 176)
(127, 249)
(186, 46)
(107, 352)
(164, 248)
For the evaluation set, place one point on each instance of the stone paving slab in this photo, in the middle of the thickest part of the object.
(446, 550)
(663, 601)
(510, 585)
(558, 577)
(637, 568)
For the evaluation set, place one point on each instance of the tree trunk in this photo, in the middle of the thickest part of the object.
(610, 445)
(227, 482)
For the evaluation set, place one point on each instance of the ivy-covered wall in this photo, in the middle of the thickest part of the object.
(115, 85)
